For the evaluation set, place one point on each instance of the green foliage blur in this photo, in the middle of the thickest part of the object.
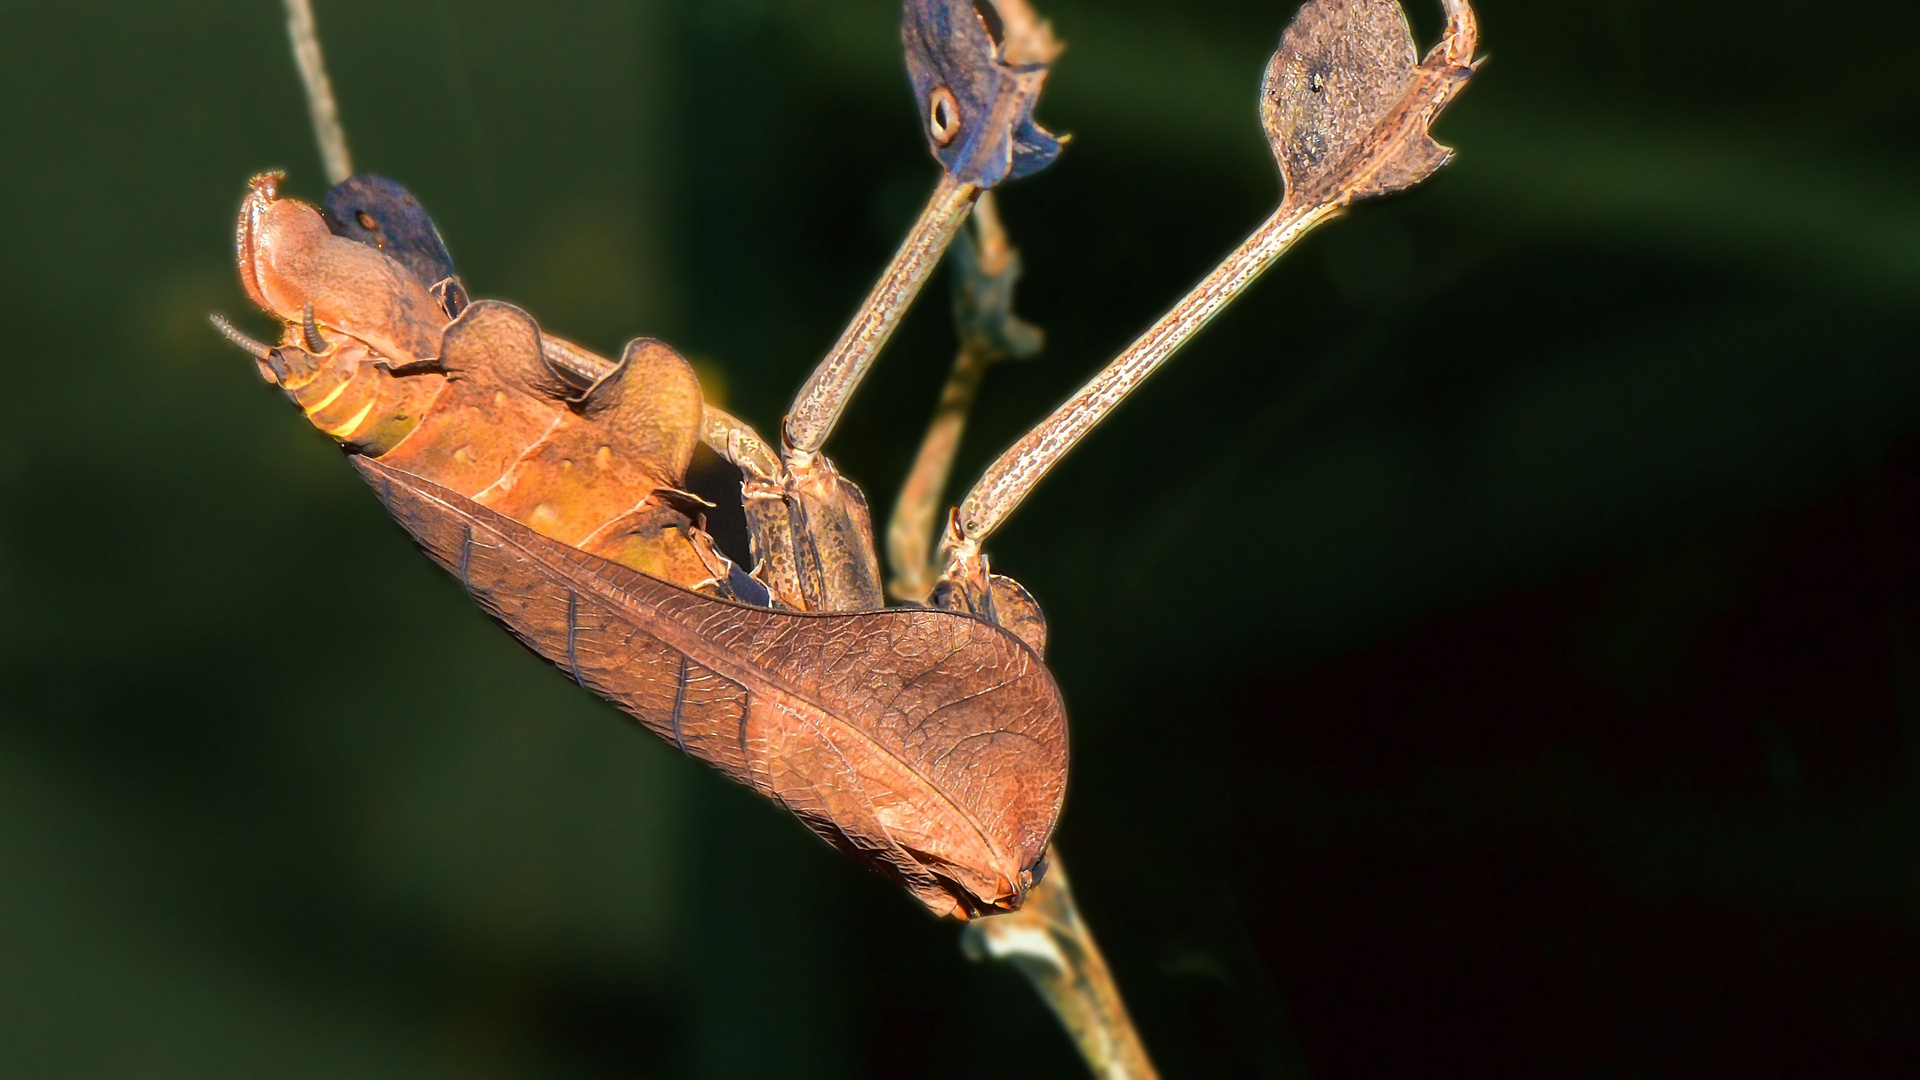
(1493, 648)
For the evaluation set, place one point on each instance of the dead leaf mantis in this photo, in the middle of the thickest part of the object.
(928, 740)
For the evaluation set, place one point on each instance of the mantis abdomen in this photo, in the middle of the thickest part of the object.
(384, 363)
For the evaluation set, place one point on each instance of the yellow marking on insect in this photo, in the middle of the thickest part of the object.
(329, 399)
(464, 455)
(543, 518)
(350, 426)
(499, 399)
(604, 458)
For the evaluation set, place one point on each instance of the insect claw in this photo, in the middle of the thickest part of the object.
(310, 330)
(259, 350)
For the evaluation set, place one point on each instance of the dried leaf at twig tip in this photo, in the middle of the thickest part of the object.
(1347, 101)
(977, 67)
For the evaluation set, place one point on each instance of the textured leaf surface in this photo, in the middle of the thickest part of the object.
(1347, 101)
(932, 745)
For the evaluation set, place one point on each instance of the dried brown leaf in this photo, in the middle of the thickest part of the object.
(1347, 102)
(930, 744)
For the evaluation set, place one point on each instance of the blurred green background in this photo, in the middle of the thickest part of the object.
(1491, 648)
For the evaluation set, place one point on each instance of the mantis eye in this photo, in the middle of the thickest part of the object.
(943, 115)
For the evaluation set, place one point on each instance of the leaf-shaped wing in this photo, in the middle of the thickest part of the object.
(977, 67)
(1347, 102)
(932, 745)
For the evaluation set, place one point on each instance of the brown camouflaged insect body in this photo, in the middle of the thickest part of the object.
(930, 744)
(471, 404)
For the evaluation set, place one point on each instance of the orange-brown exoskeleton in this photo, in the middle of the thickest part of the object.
(408, 372)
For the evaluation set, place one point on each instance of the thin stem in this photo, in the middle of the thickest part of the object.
(918, 511)
(1014, 475)
(992, 250)
(916, 515)
(820, 402)
(313, 71)
(1047, 941)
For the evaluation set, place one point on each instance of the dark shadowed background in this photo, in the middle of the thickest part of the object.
(1493, 648)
